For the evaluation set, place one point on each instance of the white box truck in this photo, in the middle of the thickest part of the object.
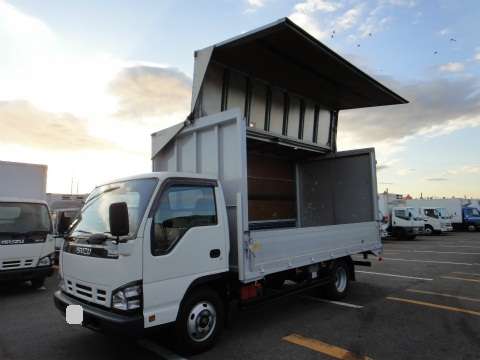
(247, 193)
(399, 220)
(26, 244)
(438, 214)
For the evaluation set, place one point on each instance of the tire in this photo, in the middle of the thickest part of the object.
(338, 289)
(200, 322)
(428, 230)
(37, 283)
(471, 228)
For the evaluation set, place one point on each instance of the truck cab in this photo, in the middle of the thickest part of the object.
(446, 219)
(26, 244)
(176, 234)
(405, 222)
(433, 221)
(471, 218)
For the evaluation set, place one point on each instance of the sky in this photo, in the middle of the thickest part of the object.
(84, 84)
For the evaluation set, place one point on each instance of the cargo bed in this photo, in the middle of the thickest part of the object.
(326, 205)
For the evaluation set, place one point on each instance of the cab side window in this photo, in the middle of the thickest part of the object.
(180, 208)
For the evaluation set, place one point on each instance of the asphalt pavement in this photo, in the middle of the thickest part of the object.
(422, 301)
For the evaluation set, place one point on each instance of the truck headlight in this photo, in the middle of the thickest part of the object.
(128, 297)
(45, 261)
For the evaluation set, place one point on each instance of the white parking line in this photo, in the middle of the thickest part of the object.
(393, 275)
(460, 246)
(433, 261)
(159, 350)
(340, 303)
(434, 252)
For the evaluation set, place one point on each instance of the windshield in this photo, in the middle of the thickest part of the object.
(433, 213)
(472, 212)
(94, 217)
(23, 218)
(415, 213)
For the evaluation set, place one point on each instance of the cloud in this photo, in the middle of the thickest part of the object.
(444, 32)
(466, 169)
(452, 67)
(477, 56)
(436, 107)
(349, 18)
(310, 6)
(25, 125)
(304, 16)
(406, 3)
(373, 25)
(149, 91)
(437, 179)
(309, 24)
(254, 5)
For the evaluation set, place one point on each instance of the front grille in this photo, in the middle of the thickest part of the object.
(86, 292)
(16, 264)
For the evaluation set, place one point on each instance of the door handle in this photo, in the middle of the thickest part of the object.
(215, 253)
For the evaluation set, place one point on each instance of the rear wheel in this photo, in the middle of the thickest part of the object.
(37, 283)
(200, 322)
(338, 289)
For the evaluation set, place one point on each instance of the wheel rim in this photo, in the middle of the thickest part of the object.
(341, 279)
(428, 231)
(202, 320)
(471, 228)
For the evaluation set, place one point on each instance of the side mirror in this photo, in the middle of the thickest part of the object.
(410, 215)
(118, 213)
(63, 224)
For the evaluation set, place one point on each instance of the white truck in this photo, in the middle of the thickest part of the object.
(247, 193)
(458, 214)
(63, 208)
(399, 220)
(26, 244)
(437, 217)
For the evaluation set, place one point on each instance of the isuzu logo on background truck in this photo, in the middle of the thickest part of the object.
(249, 192)
(26, 244)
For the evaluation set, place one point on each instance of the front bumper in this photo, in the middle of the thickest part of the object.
(99, 319)
(414, 231)
(26, 273)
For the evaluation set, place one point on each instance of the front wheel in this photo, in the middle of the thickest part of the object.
(200, 322)
(428, 230)
(338, 289)
(471, 228)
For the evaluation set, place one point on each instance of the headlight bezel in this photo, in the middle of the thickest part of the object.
(48, 257)
(128, 298)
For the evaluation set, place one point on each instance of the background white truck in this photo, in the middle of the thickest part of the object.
(63, 208)
(463, 214)
(247, 193)
(399, 220)
(26, 246)
(439, 215)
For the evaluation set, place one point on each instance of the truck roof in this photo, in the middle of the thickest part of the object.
(22, 200)
(161, 175)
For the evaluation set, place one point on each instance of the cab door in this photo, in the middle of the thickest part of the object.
(186, 238)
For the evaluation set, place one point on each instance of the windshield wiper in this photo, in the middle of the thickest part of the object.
(83, 231)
